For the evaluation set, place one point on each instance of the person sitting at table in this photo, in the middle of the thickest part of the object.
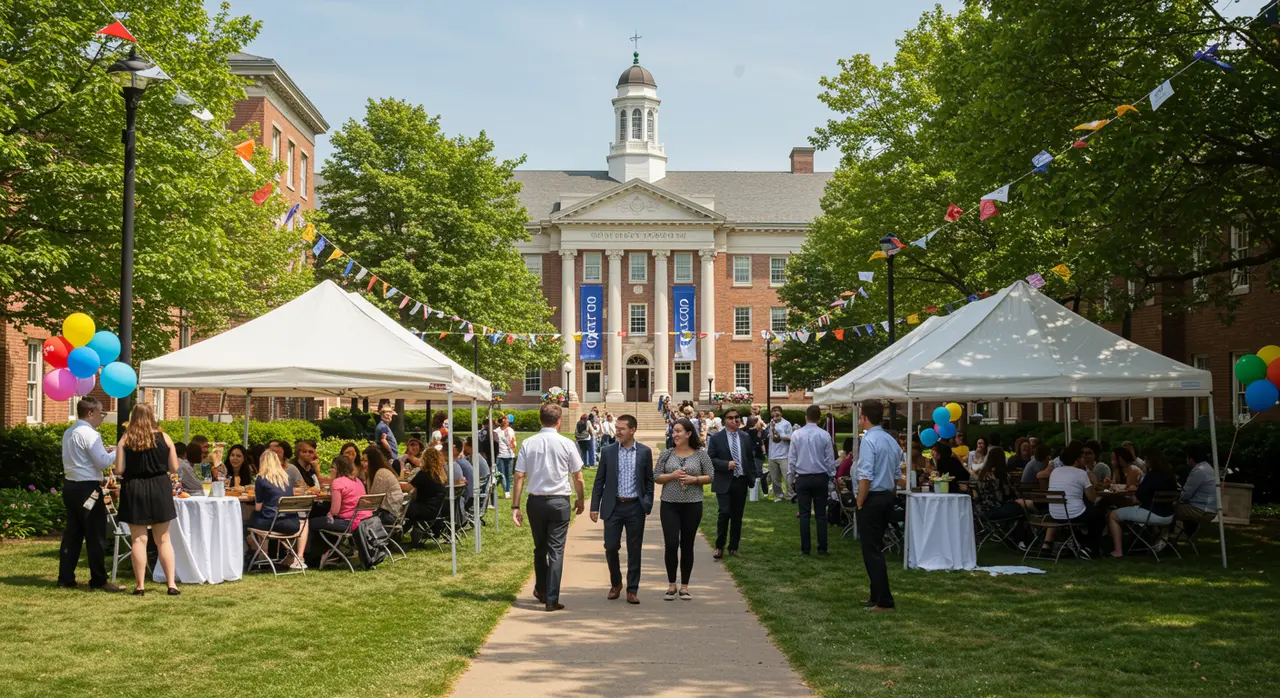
(464, 468)
(1074, 482)
(1092, 462)
(346, 491)
(947, 464)
(845, 466)
(977, 457)
(1124, 468)
(304, 464)
(269, 486)
(412, 458)
(1133, 452)
(1039, 468)
(241, 470)
(430, 494)
(352, 453)
(382, 480)
(1159, 478)
(191, 481)
(995, 496)
(1022, 454)
(481, 466)
(1198, 502)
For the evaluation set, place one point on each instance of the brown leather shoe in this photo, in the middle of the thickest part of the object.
(615, 592)
(107, 586)
(632, 598)
(539, 596)
(555, 607)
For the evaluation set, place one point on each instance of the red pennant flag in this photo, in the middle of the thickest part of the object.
(622, 333)
(987, 209)
(372, 281)
(245, 150)
(511, 339)
(931, 309)
(260, 196)
(442, 334)
(117, 30)
(839, 334)
(953, 213)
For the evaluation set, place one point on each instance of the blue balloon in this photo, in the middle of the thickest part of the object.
(941, 415)
(1261, 395)
(107, 345)
(83, 362)
(928, 437)
(118, 379)
(946, 430)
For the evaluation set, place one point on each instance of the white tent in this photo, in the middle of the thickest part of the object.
(1018, 345)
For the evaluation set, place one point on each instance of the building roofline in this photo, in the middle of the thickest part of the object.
(270, 72)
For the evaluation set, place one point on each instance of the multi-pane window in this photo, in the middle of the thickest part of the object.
(288, 171)
(777, 386)
(638, 265)
(35, 358)
(639, 318)
(777, 271)
(622, 125)
(1239, 407)
(591, 267)
(684, 267)
(1201, 405)
(157, 402)
(742, 322)
(741, 271)
(533, 381)
(533, 262)
(777, 319)
(303, 162)
(742, 376)
(637, 134)
(1239, 250)
(652, 136)
(275, 144)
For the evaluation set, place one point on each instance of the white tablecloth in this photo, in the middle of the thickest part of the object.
(940, 532)
(208, 541)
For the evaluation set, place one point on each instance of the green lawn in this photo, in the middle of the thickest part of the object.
(1134, 627)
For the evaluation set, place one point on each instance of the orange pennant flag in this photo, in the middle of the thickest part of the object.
(1125, 109)
(442, 334)
(839, 334)
(245, 150)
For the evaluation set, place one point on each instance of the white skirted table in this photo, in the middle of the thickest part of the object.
(208, 541)
(940, 532)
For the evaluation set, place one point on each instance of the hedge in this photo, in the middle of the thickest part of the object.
(343, 423)
(26, 514)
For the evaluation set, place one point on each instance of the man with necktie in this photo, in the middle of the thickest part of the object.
(879, 459)
(813, 463)
(732, 455)
(623, 496)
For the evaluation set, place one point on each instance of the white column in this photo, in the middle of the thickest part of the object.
(661, 340)
(568, 318)
(615, 370)
(707, 324)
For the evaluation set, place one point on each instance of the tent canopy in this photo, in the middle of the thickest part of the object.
(325, 342)
(1016, 345)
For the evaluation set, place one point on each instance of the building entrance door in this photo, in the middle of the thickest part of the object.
(683, 383)
(592, 388)
(637, 379)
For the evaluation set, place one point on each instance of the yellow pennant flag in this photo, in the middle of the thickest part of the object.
(913, 319)
(1092, 125)
(1125, 109)
(577, 336)
(336, 254)
(1063, 271)
(879, 254)
(309, 233)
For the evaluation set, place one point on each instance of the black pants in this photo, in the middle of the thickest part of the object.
(679, 526)
(87, 527)
(811, 493)
(1092, 522)
(873, 518)
(629, 516)
(732, 504)
(549, 523)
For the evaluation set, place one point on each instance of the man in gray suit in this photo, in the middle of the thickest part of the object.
(732, 455)
(623, 496)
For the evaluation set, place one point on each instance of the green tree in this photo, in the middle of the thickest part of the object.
(437, 217)
(201, 243)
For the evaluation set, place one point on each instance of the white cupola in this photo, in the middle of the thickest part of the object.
(636, 152)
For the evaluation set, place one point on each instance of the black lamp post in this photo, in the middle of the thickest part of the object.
(711, 395)
(125, 72)
(768, 374)
(568, 372)
(890, 245)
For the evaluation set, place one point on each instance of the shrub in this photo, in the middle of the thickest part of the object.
(337, 428)
(25, 513)
(31, 456)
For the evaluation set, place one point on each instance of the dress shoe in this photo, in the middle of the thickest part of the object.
(107, 586)
(173, 591)
(882, 609)
(615, 592)
(732, 552)
(539, 596)
(67, 585)
(632, 598)
(868, 604)
(718, 554)
(555, 607)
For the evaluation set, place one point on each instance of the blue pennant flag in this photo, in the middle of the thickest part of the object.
(870, 330)
(973, 298)
(319, 246)
(390, 293)
(1041, 161)
(1210, 55)
(350, 263)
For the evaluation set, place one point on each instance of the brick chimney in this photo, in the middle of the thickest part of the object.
(801, 160)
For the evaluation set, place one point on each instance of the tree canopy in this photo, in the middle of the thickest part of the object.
(201, 243)
(438, 218)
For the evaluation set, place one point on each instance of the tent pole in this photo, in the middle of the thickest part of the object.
(1097, 421)
(453, 522)
(1067, 418)
(493, 465)
(906, 520)
(475, 469)
(1213, 445)
(185, 397)
(247, 405)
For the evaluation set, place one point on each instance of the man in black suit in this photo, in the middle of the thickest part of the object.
(623, 496)
(732, 456)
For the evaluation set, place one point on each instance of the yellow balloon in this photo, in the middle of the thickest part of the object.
(954, 409)
(1269, 353)
(78, 329)
(960, 452)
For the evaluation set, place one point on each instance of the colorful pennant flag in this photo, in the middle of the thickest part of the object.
(260, 196)
(403, 302)
(206, 115)
(350, 263)
(362, 273)
(182, 99)
(913, 319)
(117, 30)
(319, 246)
(973, 297)
(511, 339)
(373, 279)
(931, 309)
(1001, 194)
(309, 233)
(1160, 94)
(987, 209)
(884, 325)
(878, 254)
(1092, 125)
(1062, 271)
(1041, 161)
(863, 292)
(1036, 280)
(468, 336)
(1125, 109)
(336, 254)
(839, 334)
(866, 276)
(1210, 55)
(870, 330)
(953, 213)
(820, 335)
(802, 336)
(245, 150)
(293, 211)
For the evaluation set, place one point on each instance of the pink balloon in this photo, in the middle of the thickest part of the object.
(85, 385)
(59, 384)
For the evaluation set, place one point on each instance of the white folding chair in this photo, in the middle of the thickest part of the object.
(396, 530)
(335, 540)
(263, 537)
(119, 532)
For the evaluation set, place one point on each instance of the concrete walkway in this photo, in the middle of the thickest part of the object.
(710, 646)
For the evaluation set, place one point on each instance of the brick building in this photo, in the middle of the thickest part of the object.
(287, 123)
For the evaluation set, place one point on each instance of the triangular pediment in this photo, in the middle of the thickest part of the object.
(637, 200)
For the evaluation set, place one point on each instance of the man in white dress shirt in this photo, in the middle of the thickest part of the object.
(83, 460)
(551, 465)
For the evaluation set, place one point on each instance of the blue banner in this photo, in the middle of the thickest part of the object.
(685, 322)
(591, 327)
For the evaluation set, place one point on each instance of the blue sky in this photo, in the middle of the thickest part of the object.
(739, 81)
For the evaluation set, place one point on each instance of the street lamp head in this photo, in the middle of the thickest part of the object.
(126, 72)
(890, 244)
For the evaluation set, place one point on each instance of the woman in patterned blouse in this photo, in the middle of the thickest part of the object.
(682, 471)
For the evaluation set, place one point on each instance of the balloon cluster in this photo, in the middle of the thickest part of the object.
(944, 424)
(1260, 373)
(76, 356)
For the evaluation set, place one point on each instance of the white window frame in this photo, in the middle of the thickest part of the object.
(35, 395)
(622, 125)
(1128, 410)
(292, 150)
(1200, 361)
(738, 332)
(1151, 410)
(1238, 239)
(773, 319)
(156, 398)
(1239, 408)
(643, 259)
(643, 317)
(685, 259)
(303, 161)
(275, 144)
(774, 389)
(772, 282)
(736, 382)
(533, 263)
(532, 379)
(651, 124)
(590, 261)
(736, 281)
(637, 125)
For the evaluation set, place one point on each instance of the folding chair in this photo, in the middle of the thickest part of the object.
(337, 539)
(998, 530)
(263, 537)
(1042, 524)
(848, 506)
(119, 532)
(396, 531)
(1185, 530)
(441, 514)
(1139, 529)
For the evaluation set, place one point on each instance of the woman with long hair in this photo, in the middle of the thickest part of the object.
(682, 471)
(412, 458)
(145, 458)
(997, 498)
(240, 468)
(352, 453)
(977, 456)
(430, 492)
(381, 479)
(271, 484)
(1158, 478)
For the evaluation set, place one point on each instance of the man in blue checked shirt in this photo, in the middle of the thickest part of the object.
(623, 496)
(879, 459)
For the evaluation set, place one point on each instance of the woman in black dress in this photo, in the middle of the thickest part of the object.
(145, 458)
